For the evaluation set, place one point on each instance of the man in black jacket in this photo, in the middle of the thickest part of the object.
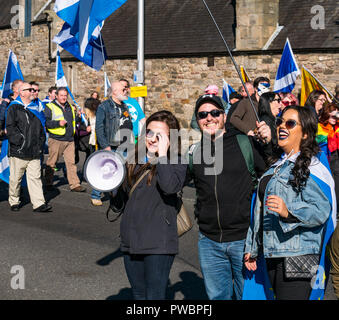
(26, 138)
(224, 186)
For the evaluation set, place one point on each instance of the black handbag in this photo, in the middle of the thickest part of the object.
(301, 267)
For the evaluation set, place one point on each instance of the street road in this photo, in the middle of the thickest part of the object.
(73, 252)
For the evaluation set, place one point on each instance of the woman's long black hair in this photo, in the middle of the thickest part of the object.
(308, 147)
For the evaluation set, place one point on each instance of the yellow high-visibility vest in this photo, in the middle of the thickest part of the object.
(58, 115)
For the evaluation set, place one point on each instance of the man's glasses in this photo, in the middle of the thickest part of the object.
(289, 124)
(29, 89)
(215, 113)
(36, 90)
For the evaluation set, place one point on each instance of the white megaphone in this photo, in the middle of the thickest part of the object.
(105, 170)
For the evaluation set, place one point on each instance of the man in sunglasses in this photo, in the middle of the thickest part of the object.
(26, 138)
(36, 100)
(223, 198)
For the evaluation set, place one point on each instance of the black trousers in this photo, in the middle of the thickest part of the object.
(286, 289)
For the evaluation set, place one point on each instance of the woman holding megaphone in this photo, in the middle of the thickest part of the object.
(149, 239)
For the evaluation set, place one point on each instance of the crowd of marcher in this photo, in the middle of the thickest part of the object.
(266, 200)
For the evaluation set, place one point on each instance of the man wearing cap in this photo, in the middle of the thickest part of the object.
(243, 117)
(210, 89)
(223, 197)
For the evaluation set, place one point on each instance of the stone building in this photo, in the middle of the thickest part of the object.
(183, 50)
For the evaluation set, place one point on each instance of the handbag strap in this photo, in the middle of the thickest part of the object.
(138, 181)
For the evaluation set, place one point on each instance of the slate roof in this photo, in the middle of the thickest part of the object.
(171, 27)
(296, 18)
(5, 12)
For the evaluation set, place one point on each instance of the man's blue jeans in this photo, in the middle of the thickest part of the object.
(222, 268)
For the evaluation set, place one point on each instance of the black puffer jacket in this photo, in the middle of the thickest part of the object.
(25, 133)
(149, 221)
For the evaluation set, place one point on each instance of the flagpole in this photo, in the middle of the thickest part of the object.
(141, 49)
(104, 60)
(234, 62)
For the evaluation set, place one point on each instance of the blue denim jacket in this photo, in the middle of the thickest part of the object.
(107, 123)
(274, 237)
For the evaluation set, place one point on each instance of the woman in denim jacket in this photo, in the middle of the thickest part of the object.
(291, 209)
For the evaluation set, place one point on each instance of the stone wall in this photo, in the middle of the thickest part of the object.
(173, 83)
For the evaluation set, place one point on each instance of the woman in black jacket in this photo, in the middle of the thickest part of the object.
(148, 227)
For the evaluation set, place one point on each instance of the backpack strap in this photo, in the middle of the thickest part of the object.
(247, 152)
(191, 150)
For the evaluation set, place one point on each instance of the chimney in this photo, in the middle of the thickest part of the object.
(256, 22)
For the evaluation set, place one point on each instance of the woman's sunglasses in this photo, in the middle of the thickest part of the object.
(150, 134)
(215, 113)
(289, 124)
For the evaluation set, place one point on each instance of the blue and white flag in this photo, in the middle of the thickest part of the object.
(257, 285)
(107, 84)
(4, 162)
(12, 73)
(83, 18)
(287, 72)
(226, 91)
(60, 81)
(95, 52)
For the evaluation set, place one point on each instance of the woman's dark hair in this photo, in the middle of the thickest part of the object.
(96, 93)
(92, 104)
(308, 147)
(325, 115)
(259, 80)
(264, 106)
(313, 97)
(173, 124)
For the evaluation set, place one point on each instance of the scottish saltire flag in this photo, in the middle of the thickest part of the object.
(107, 84)
(13, 72)
(95, 52)
(226, 91)
(60, 81)
(4, 162)
(287, 72)
(84, 16)
(257, 285)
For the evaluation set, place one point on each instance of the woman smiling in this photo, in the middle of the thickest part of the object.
(291, 209)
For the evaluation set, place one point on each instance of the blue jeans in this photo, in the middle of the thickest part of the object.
(96, 194)
(222, 268)
(148, 274)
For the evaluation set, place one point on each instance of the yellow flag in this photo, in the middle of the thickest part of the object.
(244, 75)
(309, 83)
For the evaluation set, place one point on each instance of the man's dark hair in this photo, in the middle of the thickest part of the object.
(51, 89)
(61, 89)
(33, 83)
(259, 80)
(128, 85)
